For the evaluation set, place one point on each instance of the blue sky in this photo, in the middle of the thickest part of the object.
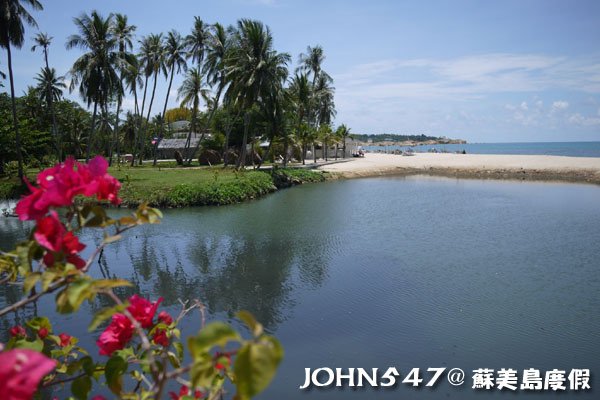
(479, 70)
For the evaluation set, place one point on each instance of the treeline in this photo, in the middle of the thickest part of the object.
(383, 137)
(236, 85)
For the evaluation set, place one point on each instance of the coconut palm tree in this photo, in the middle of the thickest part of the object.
(253, 69)
(214, 65)
(190, 92)
(132, 78)
(300, 91)
(43, 40)
(152, 57)
(174, 62)
(12, 33)
(123, 33)
(343, 132)
(325, 106)
(50, 86)
(196, 41)
(95, 72)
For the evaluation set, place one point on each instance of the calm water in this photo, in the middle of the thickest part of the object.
(405, 272)
(572, 149)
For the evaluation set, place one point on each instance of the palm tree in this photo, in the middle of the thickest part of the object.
(326, 136)
(312, 61)
(132, 78)
(325, 106)
(95, 71)
(123, 33)
(253, 69)
(216, 46)
(174, 61)
(50, 86)
(300, 91)
(153, 60)
(197, 40)
(190, 92)
(343, 132)
(43, 40)
(12, 33)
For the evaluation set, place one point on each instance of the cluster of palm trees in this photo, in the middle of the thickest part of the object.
(234, 70)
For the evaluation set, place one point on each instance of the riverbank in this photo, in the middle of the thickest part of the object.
(479, 166)
(183, 187)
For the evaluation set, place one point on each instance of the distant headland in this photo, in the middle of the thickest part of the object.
(386, 139)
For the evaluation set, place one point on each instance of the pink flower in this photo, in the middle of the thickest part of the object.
(21, 371)
(116, 335)
(142, 310)
(185, 391)
(160, 338)
(58, 185)
(43, 333)
(165, 318)
(18, 331)
(49, 232)
(65, 339)
(98, 397)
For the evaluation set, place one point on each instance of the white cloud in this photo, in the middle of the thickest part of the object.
(560, 105)
(524, 106)
(578, 119)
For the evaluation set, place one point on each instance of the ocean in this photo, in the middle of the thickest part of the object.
(571, 149)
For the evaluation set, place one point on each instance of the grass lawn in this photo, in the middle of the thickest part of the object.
(180, 187)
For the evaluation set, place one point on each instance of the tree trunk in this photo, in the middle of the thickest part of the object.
(336, 151)
(314, 153)
(139, 132)
(344, 147)
(89, 139)
(143, 136)
(14, 114)
(242, 159)
(115, 141)
(136, 111)
(164, 121)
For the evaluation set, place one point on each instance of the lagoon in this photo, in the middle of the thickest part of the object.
(396, 271)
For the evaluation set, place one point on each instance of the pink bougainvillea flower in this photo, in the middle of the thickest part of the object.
(21, 371)
(57, 186)
(223, 360)
(17, 331)
(116, 335)
(160, 338)
(142, 310)
(65, 339)
(98, 397)
(185, 391)
(165, 318)
(50, 231)
(43, 333)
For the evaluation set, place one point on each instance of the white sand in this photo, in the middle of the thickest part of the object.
(377, 164)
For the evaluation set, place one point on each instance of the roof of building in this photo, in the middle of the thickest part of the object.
(177, 143)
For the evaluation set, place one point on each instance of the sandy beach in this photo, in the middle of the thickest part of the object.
(522, 167)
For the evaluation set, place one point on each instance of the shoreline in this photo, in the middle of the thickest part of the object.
(472, 166)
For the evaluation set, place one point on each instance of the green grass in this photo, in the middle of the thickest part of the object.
(181, 187)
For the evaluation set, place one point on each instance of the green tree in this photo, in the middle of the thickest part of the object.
(190, 92)
(254, 69)
(95, 72)
(152, 57)
(12, 33)
(123, 33)
(43, 41)
(343, 132)
(174, 62)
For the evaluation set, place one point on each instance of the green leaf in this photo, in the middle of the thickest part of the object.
(114, 370)
(255, 366)
(202, 372)
(101, 284)
(47, 278)
(255, 327)
(213, 334)
(70, 299)
(105, 314)
(30, 281)
(81, 387)
(37, 345)
(111, 239)
(40, 322)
